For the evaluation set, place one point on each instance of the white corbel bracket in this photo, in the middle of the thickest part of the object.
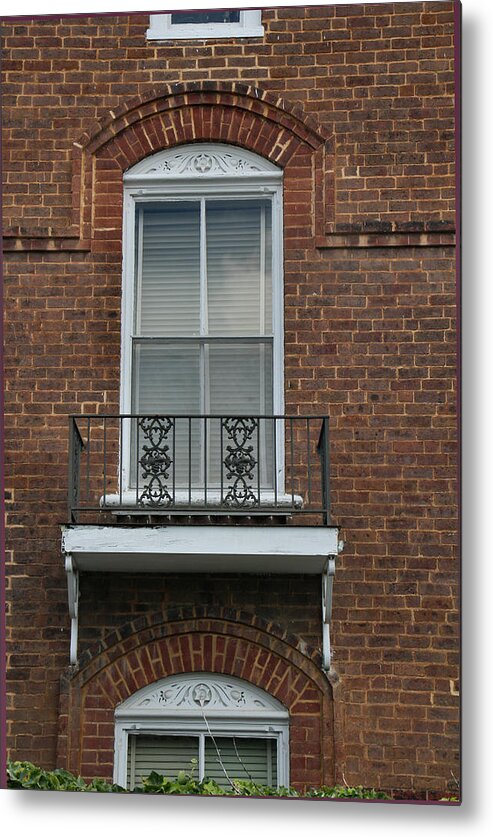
(73, 605)
(327, 583)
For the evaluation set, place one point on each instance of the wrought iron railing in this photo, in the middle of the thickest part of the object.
(251, 466)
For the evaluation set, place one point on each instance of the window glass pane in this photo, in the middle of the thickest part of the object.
(166, 754)
(240, 378)
(242, 758)
(240, 383)
(232, 16)
(166, 378)
(168, 269)
(239, 256)
(167, 382)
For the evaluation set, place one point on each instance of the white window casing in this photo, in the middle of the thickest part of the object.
(196, 175)
(192, 716)
(166, 27)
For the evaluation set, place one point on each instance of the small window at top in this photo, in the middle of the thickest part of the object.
(221, 16)
(220, 23)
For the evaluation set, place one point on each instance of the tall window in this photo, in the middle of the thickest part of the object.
(202, 321)
(219, 727)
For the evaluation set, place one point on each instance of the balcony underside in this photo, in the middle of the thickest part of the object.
(200, 549)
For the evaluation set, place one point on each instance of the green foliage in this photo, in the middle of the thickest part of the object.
(24, 775)
(344, 792)
(248, 788)
(185, 783)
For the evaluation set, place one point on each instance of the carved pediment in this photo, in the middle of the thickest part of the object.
(202, 160)
(202, 693)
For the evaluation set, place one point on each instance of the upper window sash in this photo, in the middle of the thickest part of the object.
(204, 268)
(162, 27)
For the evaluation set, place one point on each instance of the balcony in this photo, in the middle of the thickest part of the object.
(133, 479)
(157, 469)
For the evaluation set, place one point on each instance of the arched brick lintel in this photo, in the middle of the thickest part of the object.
(188, 618)
(254, 652)
(202, 119)
(235, 115)
(171, 97)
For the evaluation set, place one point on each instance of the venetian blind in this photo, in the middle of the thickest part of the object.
(238, 758)
(238, 268)
(243, 758)
(168, 270)
(166, 754)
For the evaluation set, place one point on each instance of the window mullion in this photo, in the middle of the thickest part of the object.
(132, 743)
(137, 302)
(269, 761)
(201, 756)
(139, 267)
(204, 319)
(262, 273)
(262, 434)
(204, 348)
(204, 316)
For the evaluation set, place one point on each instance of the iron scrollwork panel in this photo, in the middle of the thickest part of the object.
(240, 464)
(156, 460)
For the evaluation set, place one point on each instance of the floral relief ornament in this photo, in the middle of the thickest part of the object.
(213, 694)
(201, 163)
(202, 695)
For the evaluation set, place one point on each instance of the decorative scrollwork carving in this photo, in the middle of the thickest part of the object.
(240, 463)
(155, 461)
(215, 694)
(204, 164)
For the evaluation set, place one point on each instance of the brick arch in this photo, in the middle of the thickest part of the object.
(248, 648)
(210, 112)
(103, 650)
(169, 97)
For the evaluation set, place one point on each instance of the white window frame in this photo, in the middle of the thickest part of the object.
(170, 175)
(262, 717)
(162, 29)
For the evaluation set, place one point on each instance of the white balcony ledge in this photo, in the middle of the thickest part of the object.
(200, 549)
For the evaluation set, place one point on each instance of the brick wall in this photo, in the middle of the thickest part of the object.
(379, 78)
(362, 124)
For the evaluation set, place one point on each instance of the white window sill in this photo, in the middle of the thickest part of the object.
(180, 33)
(126, 502)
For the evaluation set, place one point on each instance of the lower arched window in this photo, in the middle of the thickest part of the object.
(215, 726)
